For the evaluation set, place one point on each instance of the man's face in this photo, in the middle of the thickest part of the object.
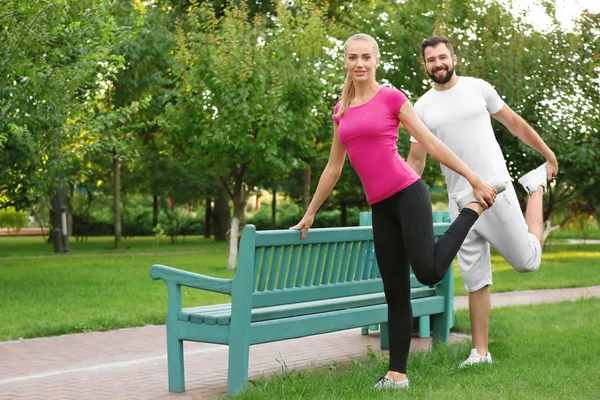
(439, 64)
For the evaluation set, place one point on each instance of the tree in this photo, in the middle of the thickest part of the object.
(249, 95)
(51, 55)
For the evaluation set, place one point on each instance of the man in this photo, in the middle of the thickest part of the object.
(457, 110)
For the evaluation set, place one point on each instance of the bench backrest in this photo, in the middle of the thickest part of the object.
(328, 263)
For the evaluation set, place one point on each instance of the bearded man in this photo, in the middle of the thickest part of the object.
(457, 110)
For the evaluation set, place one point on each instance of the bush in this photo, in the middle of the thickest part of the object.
(12, 219)
(289, 214)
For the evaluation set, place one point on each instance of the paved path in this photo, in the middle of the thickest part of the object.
(131, 363)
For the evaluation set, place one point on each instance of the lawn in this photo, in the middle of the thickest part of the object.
(546, 351)
(94, 288)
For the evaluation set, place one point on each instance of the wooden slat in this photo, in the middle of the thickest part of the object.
(328, 267)
(264, 269)
(274, 269)
(337, 262)
(301, 266)
(369, 264)
(362, 259)
(327, 291)
(221, 314)
(345, 260)
(293, 268)
(375, 268)
(310, 267)
(209, 333)
(285, 267)
(317, 235)
(353, 261)
(319, 267)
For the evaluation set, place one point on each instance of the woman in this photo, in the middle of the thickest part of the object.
(366, 127)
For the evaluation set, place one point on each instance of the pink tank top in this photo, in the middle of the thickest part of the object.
(369, 133)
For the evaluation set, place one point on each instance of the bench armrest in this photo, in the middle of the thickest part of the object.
(190, 279)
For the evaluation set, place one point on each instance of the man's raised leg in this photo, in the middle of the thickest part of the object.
(534, 214)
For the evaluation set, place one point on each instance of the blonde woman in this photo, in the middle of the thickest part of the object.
(366, 122)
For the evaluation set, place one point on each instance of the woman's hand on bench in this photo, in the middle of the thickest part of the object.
(304, 225)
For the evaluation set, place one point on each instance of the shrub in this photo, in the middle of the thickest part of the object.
(12, 219)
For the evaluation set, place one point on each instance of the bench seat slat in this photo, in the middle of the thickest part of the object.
(220, 314)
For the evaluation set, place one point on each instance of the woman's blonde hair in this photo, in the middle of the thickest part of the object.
(348, 91)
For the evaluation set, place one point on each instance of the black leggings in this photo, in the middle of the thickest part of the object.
(403, 237)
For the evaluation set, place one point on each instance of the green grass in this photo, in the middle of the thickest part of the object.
(37, 246)
(94, 288)
(546, 351)
(569, 234)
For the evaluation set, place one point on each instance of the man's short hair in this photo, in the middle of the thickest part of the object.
(434, 41)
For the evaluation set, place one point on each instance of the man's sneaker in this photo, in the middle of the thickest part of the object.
(386, 383)
(532, 180)
(467, 196)
(476, 358)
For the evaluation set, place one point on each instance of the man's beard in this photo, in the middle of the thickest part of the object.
(445, 79)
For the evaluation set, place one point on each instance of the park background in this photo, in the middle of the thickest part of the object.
(159, 128)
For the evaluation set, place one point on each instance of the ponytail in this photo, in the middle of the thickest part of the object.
(347, 96)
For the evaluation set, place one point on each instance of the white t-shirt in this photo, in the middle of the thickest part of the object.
(460, 117)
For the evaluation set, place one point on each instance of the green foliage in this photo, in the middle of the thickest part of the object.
(12, 219)
(52, 54)
(250, 90)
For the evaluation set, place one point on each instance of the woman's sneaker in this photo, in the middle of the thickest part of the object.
(532, 180)
(476, 358)
(467, 196)
(386, 383)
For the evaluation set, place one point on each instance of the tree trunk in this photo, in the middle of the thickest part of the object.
(237, 222)
(154, 211)
(117, 199)
(70, 202)
(221, 214)
(306, 183)
(207, 218)
(54, 213)
(274, 210)
(233, 245)
(56, 205)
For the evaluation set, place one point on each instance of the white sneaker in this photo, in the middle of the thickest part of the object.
(386, 383)
(535, 178)
(476, 358)
(467, 196)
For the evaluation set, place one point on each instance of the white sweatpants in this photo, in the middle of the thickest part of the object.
(503, 226)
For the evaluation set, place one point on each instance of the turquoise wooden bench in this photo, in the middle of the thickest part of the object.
(441, 216)
(424, 322)
(286, 287)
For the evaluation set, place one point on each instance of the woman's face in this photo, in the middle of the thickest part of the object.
(361, 60)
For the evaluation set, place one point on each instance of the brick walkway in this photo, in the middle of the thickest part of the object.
(131, 363)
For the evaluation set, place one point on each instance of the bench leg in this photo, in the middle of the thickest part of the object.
(365, 329)
(384, 336)
(441, 327)
(175, 363)
(237, 375)
(424, 326)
